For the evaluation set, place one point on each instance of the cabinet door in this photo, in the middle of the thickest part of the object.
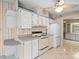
(28, 50)
(45, 21)
(24, 51)
(41, 20)
(34, 48)
(20, 51)
(25, 19)
(34, 19)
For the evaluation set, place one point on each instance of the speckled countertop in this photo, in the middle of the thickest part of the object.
(24, 38)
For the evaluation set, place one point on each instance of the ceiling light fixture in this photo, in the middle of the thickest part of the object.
(58, 6)
(58, 9)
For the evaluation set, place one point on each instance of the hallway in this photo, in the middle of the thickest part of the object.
(69, 51)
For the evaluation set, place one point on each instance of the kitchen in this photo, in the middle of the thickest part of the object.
(28, 33)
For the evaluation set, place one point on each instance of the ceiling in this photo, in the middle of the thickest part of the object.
(71, 7)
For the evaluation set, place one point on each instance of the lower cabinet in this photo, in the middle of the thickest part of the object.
(28, 49)
(24, 50)
(74, 37)
(34, 48)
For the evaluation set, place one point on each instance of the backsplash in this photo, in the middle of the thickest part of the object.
(25, 31)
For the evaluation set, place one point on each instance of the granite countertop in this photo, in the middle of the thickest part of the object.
(11, 42)
(22, 38)
(26, 38)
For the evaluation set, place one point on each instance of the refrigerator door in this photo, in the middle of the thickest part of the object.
(54, 30)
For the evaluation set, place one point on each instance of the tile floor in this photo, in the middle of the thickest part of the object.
(70, 50)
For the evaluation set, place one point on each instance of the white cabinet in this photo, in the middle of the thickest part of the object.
(28, 19)
(41, 20)
(34, 48)
(45, 21)
(20, 51)
(35, 20)
(72, 36)
(25, 50)
(38, 20)
(24, 19)
(28, 49)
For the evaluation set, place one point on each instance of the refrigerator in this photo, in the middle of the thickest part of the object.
(54, 32)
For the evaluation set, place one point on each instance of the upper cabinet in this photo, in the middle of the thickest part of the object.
(28, 19)
(35, 19)
(45, 21)
(38, 20)
(24, 19)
